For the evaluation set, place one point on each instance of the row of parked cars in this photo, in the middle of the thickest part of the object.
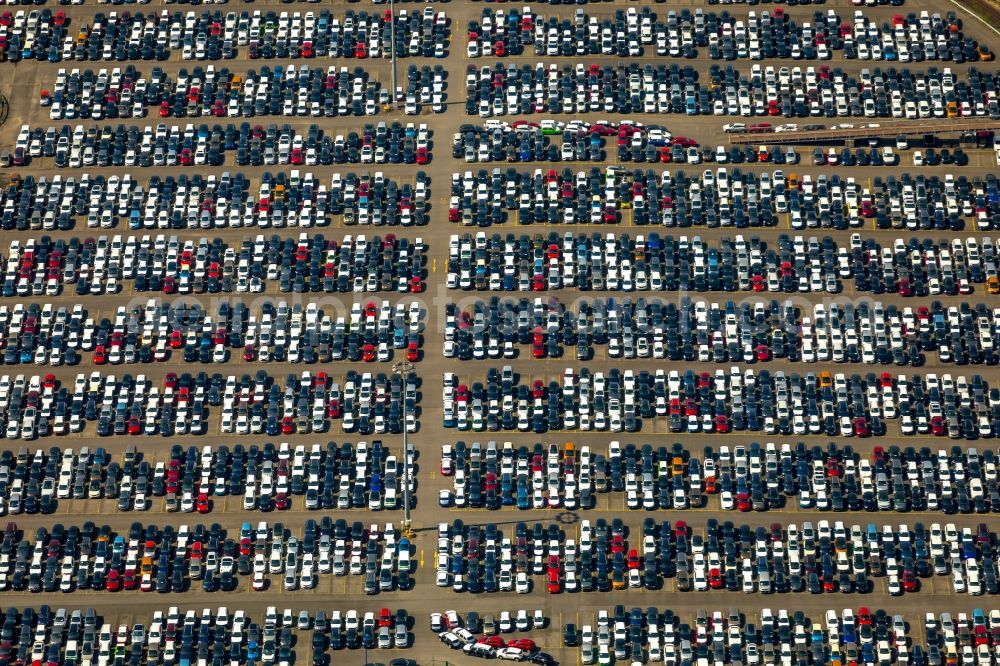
(279, 200)
(369, 402)
(120, 146)
(276, 90)
(311, 264)
(267, 477)
(211, 635)
(510, 89)
(748, 478)
(822, 558)
(642, 263)
(459, 633)
(723, 196)
(884, 157)
(490, 623)
(721, 332)
(217, 35)
(635, 32)
(784, 636)
(528, 141)
(654, 263)
(170, 559)
(276, 332)
(739, 400)
(729, 2)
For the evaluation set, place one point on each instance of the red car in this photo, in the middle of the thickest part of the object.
(525, 644)
(715, 579)
(492, 641)
(412, 352)
(743, 502)
(554, 586)
(281, 502)
(537, 346)
(864, 616)
(416, 286)
(861, 427)
(114, 581)
(202, 504)
(287, 425)
(722, 423)
(384, 617)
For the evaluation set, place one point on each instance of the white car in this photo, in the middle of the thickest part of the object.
(512, 654)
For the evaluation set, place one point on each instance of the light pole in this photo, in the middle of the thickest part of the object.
(400, 370)
(392, 53)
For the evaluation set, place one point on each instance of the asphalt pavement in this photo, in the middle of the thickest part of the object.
(22, 83)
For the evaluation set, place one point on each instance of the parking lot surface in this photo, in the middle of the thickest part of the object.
(665, 397)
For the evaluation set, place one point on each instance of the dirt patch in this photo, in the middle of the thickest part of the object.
(988, 10)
